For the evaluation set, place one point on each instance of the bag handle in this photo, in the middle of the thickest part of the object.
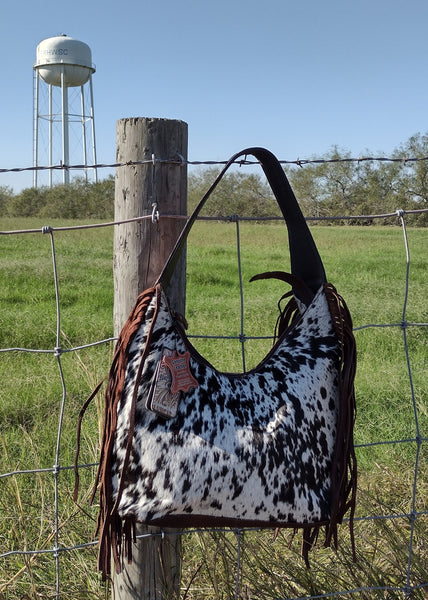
(306, 263)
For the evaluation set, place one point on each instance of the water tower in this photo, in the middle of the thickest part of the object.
(64, 126)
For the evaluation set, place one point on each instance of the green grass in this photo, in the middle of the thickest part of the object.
(367, 265)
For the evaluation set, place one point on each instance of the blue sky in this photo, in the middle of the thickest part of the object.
(295, 76)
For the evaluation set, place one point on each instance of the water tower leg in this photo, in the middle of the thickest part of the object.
(65, 140)
(94, 147)
(82, 106)
(36, 129)
(50, 135)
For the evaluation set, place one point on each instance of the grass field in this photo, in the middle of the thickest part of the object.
(367, 265)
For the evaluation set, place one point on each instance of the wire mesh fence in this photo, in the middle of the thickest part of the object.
(46, 546)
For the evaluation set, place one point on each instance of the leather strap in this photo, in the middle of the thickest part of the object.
(306, 262)
(300, 289)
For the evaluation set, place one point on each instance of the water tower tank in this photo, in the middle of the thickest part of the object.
(63, 54)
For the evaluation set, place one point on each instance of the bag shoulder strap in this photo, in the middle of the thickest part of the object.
(306, 263)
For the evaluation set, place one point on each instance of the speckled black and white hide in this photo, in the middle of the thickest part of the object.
(254, 447)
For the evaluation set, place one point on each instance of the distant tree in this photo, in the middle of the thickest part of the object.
(329, 188)
(27, 203)
(100, 199)
(308, 187)
(380, 187)
(343, 186)
(6, 197)
(414, 177)
(62, 201)
(77, 200)
(237, 193)
(81, 199)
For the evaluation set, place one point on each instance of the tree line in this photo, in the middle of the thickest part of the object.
(335, 185)
(78, 199)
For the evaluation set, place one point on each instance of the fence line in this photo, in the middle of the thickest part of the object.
(180, 160)
(57, 550)
(228, 219)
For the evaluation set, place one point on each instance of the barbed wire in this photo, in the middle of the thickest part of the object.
(180, 161)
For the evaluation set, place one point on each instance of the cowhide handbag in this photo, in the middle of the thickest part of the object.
(186, 445)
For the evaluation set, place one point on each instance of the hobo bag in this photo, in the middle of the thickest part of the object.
(186, 445)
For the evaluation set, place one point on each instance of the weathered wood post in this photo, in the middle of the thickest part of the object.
(140, 250)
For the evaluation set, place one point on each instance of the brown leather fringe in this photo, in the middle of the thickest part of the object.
(344, 466)
(110, 526)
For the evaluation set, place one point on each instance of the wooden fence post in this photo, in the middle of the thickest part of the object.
(140, 250)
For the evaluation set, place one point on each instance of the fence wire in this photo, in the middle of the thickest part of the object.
(58, 546)
(180, 160)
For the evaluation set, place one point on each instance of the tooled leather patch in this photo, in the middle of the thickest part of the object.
(172, 376)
